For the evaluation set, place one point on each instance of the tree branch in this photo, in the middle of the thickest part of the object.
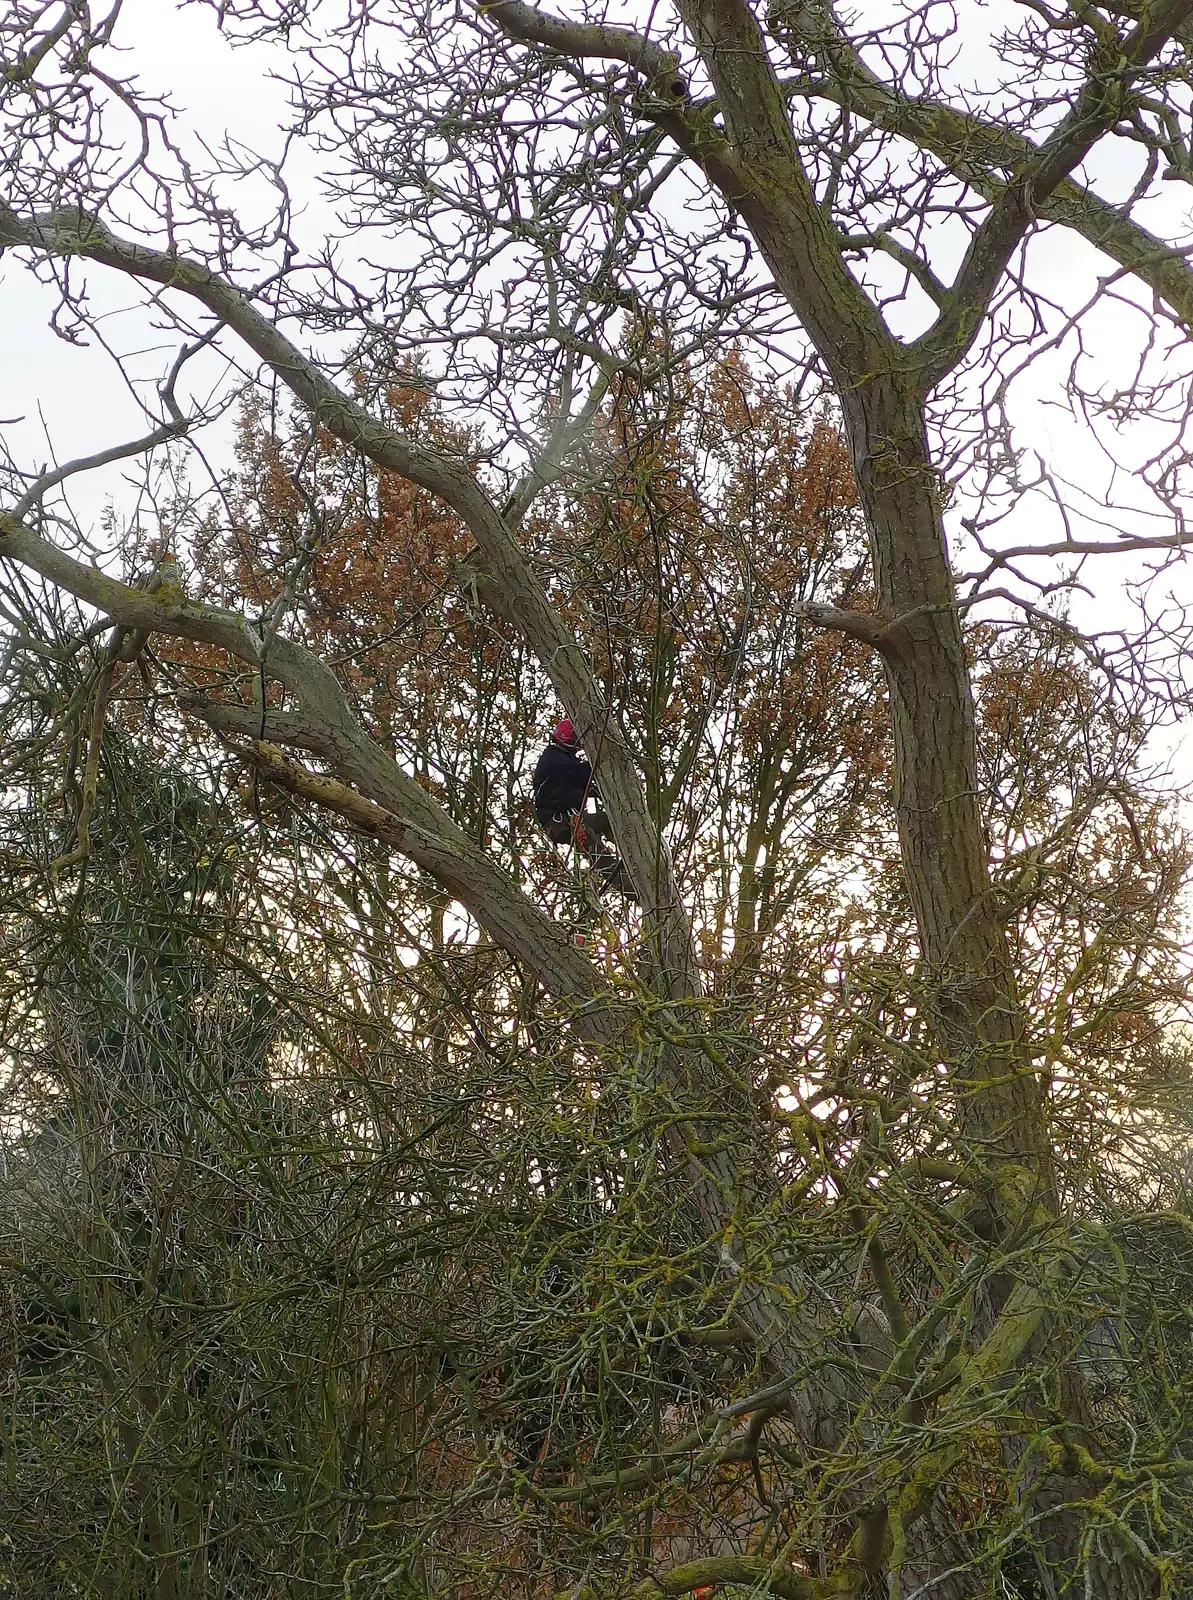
(659, 67)
(1097, 108)
(1124, 546)
(561, 969)
(871, 628)
(393, 805)
(756, 1573)
(70, 232)
(102, 458)
(975, 149)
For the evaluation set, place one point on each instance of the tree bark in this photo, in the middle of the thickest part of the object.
(968, 969)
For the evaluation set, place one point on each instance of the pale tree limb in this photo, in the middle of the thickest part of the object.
(868, 627)
(571, 977)
(758, 1574)
(102, 458)
(416, 824)
(545, 469)
(68, 232)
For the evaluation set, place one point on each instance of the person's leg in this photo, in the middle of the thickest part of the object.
(613, 871)
(606, 861)
(558, 830)
(598, 824)
(586, 833)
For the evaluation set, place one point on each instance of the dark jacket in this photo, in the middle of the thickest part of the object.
(562, 779)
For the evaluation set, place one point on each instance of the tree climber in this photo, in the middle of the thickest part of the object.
(563, 784)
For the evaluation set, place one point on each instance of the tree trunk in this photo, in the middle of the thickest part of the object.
(942, 840)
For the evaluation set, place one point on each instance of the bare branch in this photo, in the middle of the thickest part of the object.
(659, 67)
(980, 152)
(1096, 109)
(69, 232)
(38, 490)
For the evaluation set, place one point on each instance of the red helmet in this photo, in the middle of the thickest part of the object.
(565, 732)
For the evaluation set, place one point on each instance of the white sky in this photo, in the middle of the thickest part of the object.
(70, 397)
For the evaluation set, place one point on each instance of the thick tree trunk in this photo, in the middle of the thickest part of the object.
(963, 941)
(967, 963)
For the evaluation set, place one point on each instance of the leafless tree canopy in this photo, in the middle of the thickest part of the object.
(814, 1225)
